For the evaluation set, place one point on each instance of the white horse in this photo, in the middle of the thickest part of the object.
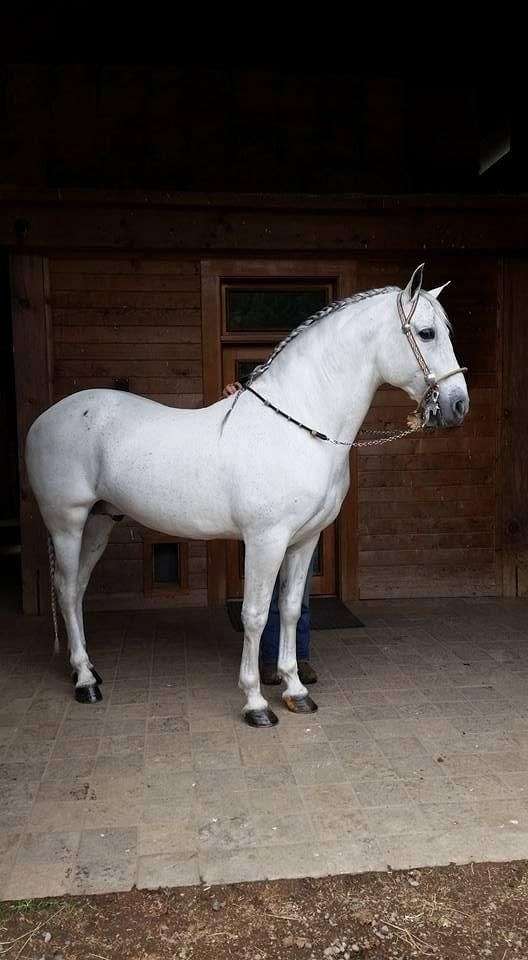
(252, 475)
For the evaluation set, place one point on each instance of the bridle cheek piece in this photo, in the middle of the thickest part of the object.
(428, 406)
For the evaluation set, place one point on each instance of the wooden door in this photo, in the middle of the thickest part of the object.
(248, 306)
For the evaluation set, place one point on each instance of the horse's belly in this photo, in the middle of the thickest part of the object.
(177, 492)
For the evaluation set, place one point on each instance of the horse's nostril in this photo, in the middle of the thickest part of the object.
(459, 408)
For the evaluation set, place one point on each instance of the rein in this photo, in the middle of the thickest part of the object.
(323, 436)
(418, 421)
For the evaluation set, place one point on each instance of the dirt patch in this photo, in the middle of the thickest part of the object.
(451, 913)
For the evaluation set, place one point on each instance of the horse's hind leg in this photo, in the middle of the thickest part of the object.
(293, 575)
(67, 540)
(261, 567)
(95, 538)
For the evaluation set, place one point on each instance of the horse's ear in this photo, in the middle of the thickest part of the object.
(412, 290)
(438, 290)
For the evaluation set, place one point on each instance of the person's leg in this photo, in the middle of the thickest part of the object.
(307, 673)
(303, 626)
(269, 641)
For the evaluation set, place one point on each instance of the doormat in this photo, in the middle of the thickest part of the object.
(326, 613)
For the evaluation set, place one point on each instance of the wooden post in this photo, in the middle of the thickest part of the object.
(515, 429)
(33, 364)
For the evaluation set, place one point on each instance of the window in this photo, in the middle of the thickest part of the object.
(166, 563)
(245, 367)
(273, 309)
(165, 566)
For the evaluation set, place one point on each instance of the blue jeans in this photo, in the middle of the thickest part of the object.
(269, 641)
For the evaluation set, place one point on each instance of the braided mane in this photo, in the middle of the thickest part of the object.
(333, 307)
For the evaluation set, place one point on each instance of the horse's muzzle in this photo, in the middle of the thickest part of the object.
(458, 406)
(450, 412)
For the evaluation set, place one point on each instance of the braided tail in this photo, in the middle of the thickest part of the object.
(53, 595)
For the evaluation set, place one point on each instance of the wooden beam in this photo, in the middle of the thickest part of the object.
(33, 362)
(167, 199)
(234, 224)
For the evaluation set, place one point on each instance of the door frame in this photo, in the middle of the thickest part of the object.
(214, 273)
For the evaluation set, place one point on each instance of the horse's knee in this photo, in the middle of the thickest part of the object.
(254, 620)
(290, 611)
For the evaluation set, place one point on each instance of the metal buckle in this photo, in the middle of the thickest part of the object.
(430, 405)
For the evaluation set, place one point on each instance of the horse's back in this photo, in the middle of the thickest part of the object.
(130, 451)
(92, 411)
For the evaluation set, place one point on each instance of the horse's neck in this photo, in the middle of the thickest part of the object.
(327, 376)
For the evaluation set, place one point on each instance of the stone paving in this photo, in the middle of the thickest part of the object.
(418, 753)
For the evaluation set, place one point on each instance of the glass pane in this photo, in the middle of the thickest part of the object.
(243, 368)
(263, 311)
(165, 563)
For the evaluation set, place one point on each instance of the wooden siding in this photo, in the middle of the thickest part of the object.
(428, 505)
(136, 319)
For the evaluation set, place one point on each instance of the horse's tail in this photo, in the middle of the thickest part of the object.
(53, 595)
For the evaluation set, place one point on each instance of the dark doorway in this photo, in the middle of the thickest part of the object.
(10, 574)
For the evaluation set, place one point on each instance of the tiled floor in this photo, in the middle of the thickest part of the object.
(418, 754)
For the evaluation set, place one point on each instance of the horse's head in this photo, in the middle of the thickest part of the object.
(416, 354)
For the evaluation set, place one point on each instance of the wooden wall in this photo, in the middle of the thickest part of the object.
(136, 321)
(428, 507)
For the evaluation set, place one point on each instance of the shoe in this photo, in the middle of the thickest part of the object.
(269, 675)
(307, 673)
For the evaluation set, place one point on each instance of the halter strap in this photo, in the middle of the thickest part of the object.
(381, 434)
(430, 378)
(314, 433)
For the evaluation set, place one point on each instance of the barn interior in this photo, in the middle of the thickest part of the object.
(162, 227)
(134, 196)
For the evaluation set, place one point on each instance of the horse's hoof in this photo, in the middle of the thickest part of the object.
(94, 673)
(90, 694)
(300, 704)
(261, 718)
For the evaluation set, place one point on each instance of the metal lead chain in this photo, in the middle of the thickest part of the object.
(394, 436)
(397, 435)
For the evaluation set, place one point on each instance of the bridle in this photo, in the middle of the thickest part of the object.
(427, 408)
(429, 403)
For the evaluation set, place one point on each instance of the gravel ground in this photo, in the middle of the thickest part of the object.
(450, 913)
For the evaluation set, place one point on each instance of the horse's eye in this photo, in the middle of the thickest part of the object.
(427, 334)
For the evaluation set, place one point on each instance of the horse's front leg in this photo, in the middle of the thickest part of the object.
(262, 563)
(293, 575)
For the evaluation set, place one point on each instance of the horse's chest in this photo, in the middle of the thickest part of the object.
(333, 494)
